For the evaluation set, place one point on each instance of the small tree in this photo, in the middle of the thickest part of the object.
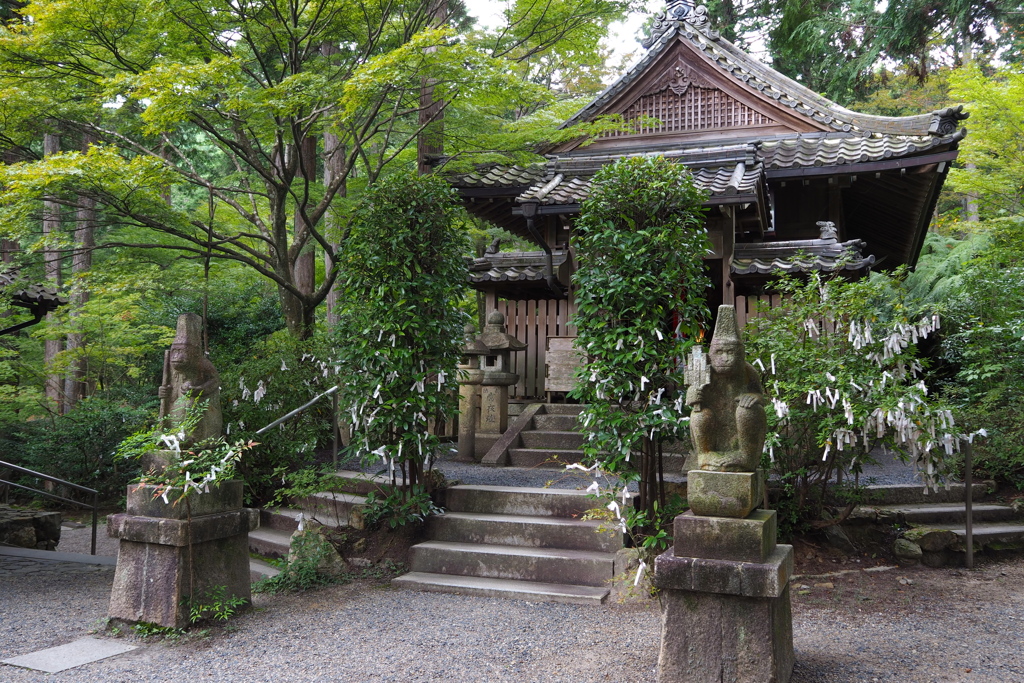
(400, 330)
(640, 297)
(842, 374)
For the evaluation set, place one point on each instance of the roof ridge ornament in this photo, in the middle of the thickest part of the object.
(678, 12)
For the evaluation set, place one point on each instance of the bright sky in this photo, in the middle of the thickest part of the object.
(622, 39)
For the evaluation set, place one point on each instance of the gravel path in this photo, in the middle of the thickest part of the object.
(868, 627)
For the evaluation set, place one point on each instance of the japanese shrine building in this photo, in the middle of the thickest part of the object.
(796, 182)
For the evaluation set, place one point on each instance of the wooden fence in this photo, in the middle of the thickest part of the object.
(533, 322)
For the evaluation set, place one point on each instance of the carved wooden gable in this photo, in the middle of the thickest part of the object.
(692, 98)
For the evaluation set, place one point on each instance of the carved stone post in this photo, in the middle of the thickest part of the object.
(725, 581)
(496, 381)
(470, 377)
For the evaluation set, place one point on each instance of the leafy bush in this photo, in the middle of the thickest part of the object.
(640, 297)
(400, 330)
(842, 374)
(398, 508)
(79, 446)
(280, 374)
(984, 342)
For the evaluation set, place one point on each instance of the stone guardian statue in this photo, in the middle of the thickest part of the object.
(191, 375)
(727, 422)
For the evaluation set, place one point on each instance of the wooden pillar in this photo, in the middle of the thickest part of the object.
(728, 247)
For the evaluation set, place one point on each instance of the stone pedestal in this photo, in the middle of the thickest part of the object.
(169, 553)
(724, 494)
(725, 588)
(469, 410)
(493, 409)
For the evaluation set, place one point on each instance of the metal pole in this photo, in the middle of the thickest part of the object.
(334, 428)
(94, 506)
(969, 499)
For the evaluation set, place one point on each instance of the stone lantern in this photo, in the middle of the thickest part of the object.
(470, 377)
(496, 381)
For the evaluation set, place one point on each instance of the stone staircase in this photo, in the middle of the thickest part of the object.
(548, 435)
(938, 521)
(542, 435)
(331, 509)
(526, 543)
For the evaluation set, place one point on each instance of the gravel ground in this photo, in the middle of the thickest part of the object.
(942, 625)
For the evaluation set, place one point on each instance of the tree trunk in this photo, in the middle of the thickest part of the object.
(75, 387)
(334, 165)
(51, 266)
(430, 143)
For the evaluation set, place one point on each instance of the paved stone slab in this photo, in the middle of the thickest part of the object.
(63, 657)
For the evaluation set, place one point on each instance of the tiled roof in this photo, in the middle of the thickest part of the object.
(722, 181)
(680, 22)
(500, 176)
(29, 296)
(799, 256)
(723, 171)
(826, 150)
(514, 266)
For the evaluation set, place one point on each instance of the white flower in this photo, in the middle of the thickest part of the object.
(284, 366)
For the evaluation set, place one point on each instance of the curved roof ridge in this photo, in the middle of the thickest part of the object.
(693, 25)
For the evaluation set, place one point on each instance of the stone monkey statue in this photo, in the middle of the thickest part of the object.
(727, 422)
(189, 372)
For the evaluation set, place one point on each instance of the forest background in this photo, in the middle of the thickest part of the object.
(210, 156)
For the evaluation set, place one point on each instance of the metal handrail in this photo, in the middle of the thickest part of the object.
(61, 482)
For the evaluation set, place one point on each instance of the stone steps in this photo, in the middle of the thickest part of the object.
(936, 513)
(563, 441)
(905, 494)
(506, 500)
(523, 530)
(526, 543)
(555, 422)
(334, 510)
(502, 588)
(270, 542)
(585, 567)
(1005, 535)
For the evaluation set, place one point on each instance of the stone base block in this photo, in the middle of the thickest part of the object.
(144, 501)
(716, 638)
(180, 532)
(153, 583)
(725, 494)
(726, 538)
(767, 579)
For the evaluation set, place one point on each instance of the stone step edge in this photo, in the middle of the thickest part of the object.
(497, 517)
(498, 551)
(510, 588)
(487, 488)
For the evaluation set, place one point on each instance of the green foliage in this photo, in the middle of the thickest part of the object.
(994, 151)
(79, 446)
(984, 342)
(640, 298)
(278, 375)
(841, 370)
(400, 331)
(397, 508)
(214, 605)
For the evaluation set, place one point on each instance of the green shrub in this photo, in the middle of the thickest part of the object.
(79, 446)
